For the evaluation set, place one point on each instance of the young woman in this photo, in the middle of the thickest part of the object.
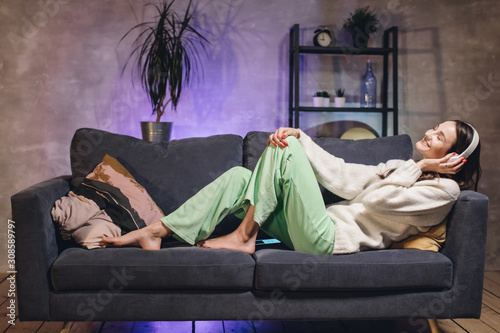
(383, 204)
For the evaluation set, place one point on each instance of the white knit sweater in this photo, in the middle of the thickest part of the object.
(378, 211)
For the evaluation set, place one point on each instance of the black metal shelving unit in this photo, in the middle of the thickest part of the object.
(390, 48)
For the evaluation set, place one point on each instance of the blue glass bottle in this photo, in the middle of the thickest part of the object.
(368, 88)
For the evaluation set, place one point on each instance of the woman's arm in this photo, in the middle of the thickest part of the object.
(400, 195)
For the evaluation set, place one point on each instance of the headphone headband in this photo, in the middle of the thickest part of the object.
(470, 149)
(473, 144)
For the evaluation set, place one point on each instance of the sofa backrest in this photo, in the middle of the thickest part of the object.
(370, 151)
(171, 173)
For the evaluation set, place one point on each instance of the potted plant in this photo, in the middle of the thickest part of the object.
(166, 53)
(326, 98)
(340, 99)
(318, 99)
(321, 99)
(360, 25)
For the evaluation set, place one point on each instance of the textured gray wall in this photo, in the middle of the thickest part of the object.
(60, 70)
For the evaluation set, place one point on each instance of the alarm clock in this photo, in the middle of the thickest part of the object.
(322, 37)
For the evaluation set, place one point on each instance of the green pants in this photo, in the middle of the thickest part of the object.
(286, 195)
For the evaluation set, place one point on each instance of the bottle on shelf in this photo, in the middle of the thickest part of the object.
(368, 88)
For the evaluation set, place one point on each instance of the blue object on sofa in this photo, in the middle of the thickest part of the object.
(59, 281)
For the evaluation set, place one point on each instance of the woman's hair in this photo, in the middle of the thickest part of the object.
(468, 177)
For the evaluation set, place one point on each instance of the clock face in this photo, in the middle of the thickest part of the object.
(323, 38)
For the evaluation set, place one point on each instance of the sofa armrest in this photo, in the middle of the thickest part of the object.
(36, 245)
(466, 246)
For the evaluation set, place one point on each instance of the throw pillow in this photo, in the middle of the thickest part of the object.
(81, 219)
(116, 191)
(431, 240)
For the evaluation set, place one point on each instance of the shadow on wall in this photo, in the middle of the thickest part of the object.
(283, 82)
(420, 54)
(217, 74)
(229, 37)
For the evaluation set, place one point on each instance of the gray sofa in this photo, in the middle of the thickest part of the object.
(60, 281)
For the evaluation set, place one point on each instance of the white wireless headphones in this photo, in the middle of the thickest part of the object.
(470, 149)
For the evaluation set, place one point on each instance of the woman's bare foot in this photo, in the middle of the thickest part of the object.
(148, 238)
(237, 240)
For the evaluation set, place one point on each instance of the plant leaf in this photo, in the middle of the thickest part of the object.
(167, 56)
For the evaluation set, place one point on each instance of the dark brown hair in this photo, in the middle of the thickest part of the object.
(468, 177)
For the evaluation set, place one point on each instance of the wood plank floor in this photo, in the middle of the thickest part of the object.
(489, 321)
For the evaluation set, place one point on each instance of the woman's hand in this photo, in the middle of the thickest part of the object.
(441, 165)
(278, 138)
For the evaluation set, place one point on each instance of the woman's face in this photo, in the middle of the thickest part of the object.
(438, 141)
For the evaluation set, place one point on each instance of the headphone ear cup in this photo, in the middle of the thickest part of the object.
(454, 158)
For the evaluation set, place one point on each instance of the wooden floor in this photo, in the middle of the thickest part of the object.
(489, 322)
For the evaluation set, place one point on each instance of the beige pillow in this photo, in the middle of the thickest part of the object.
(82, 220)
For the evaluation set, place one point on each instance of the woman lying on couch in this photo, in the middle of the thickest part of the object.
(383, 204)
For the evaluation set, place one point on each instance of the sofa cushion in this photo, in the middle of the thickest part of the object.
(89, 146)
(369, 270)
(137, 269)
(193, 163)
(171, 173)
(253, 146)
(369, 151)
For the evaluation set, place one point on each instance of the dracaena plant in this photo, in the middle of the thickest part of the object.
(166, 54)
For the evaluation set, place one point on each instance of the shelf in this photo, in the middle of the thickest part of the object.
(348, 50)
(344, 109)
(389, 50)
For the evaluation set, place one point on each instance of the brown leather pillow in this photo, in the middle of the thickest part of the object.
(113, 173)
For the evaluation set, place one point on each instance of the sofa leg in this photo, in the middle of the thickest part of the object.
(67, 326)
(434, 326)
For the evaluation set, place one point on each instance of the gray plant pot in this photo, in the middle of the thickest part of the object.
(153, 131)
(360, 40)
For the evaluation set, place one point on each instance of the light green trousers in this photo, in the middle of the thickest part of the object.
(286, 195)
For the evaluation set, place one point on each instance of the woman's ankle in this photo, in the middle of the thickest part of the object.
(248, 232)
(159, 229)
